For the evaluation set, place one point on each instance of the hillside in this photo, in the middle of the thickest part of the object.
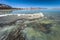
(4, 6)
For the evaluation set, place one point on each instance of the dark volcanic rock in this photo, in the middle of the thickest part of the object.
(4, 6)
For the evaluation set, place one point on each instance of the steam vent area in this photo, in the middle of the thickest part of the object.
(29, 23)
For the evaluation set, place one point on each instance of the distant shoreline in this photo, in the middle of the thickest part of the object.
(22, 8)
(11, 9)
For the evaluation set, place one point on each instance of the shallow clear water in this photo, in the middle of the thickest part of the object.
(33, 30)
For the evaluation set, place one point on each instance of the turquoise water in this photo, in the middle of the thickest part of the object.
(46, 12)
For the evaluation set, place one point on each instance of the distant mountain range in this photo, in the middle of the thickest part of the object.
(4, 6)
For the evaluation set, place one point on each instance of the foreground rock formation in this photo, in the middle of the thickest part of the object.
(9, 19)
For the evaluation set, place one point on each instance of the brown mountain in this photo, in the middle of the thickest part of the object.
(4, 6)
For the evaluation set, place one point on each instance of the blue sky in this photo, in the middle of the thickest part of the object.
(32, 3)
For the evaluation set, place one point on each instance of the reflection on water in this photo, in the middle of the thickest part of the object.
(46, 28)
